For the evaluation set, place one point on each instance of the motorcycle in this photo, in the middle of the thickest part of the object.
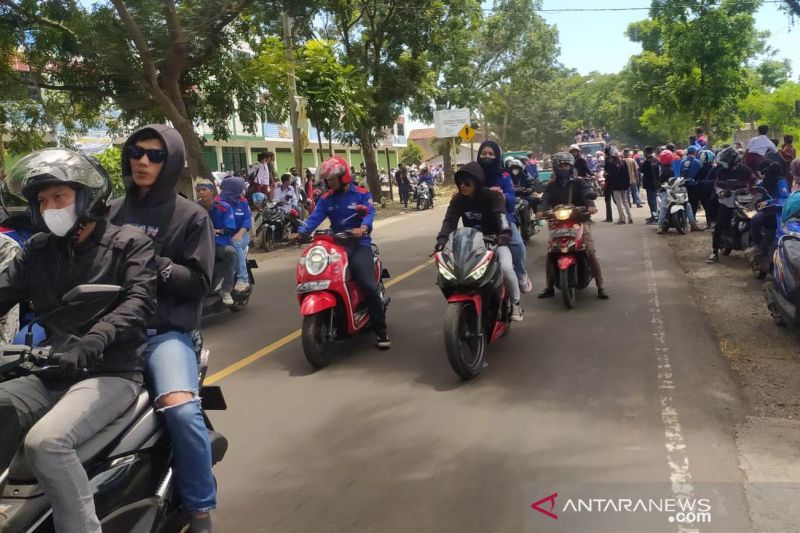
(525, 219)
(275, 224)
(478, 305)
(331, 302)
(213, 300)
(600, 178)
(762, 262)
(566, 250)
(423, 194)
(128, 462)
(782, 288)
(736, 236)
(677, 198)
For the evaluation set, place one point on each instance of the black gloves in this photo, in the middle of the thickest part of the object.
(440, 244)
(85, 353)
(503, 239)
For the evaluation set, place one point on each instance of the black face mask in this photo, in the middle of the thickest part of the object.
(563, 173)
(486, 162)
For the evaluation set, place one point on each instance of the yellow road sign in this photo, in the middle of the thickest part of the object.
(467, 133)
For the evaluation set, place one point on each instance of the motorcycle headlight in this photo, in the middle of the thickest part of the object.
(750, 213)
(445, 272)
(478, 272)
(562, 214)
(316, 260)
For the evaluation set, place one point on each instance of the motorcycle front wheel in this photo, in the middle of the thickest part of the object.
(525, 225)
(465, 347)
(567, 289)
(680, 222)
(267, 239)
(317, 341)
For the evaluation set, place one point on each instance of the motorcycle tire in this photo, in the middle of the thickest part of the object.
(267, 240)
(465, 348)
(680, 222)
(525, 226)
(419, 204)
(567, 289)
(316, 345)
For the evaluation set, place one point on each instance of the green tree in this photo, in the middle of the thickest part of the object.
(412, 154)
(111, 159)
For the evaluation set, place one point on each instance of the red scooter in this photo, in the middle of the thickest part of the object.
(566, 251)
(330, 301)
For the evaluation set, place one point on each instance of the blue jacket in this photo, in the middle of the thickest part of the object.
(242, 215)
(677, 165)
(426, 178)
(340, 208)
(690, 167)
(532, 170)
(497, 176)
(221, 214)
(780, 191)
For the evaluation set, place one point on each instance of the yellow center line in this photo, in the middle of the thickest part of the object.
(280, 343)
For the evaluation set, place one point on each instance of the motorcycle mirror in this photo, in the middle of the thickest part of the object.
(94, 294)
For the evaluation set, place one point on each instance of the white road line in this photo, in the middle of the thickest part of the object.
(677, 457)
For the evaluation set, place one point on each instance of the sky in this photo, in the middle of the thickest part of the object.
(596, 40)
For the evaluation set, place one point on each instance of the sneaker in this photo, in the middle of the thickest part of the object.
(526, 287)
(621, 221)
(601, 293)
(713, 258)
(549, 292)
(608, 220)
(660, 230)
(630, 221)
(695, 227)
(651, 221)
(383, 341)
(227, 299)
(516, 312)
(240, 286)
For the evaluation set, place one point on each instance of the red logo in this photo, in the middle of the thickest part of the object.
(552, 500)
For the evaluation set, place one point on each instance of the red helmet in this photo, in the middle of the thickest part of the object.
(679, 153)
(335, 167)
(666, 157)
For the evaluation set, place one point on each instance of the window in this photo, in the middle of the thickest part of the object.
(401, 129)
(234, 158)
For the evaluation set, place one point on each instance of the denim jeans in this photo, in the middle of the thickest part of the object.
(57, 423)
(652, 201)
(518, 254)
(241, 257)
(637, 200)
(172, 367)
(662, 210)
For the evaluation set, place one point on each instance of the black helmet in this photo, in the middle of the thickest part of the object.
(61, 166)
(729, 157)
(770, 168)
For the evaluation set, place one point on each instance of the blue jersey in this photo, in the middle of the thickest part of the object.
(242, 215)
(689, 168)
(507, 186)
(532, 170)
(221, 214)
(340, 208)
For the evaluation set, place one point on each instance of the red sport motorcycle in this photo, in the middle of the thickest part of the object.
(331, 303)
(566, 250)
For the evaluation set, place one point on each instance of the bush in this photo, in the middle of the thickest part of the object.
(111, 159)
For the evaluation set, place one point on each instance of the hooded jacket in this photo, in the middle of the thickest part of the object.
(497, 176)
(232, 189)
(182, 233)
(484, 210)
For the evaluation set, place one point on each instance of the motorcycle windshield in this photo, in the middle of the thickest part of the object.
(466, 248)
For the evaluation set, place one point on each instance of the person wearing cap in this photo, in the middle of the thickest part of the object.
(340, 205)
(221, 214)
(101, 362)
(581, 165)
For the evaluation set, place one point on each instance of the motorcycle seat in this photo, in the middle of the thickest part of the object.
(19, 470)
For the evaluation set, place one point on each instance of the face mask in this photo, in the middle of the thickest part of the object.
(486, 162)
(515, 172)
(60, 221)
(563, 172)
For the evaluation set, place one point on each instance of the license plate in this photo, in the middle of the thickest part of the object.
(309, 286)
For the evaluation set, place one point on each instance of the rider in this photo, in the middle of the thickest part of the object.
(339, 205)
(667, 159)
(531, 167)
(732, 175)
(425, 177)
(68, 195)
(287, 195)
(483, 209)
(240, 240)
(523, 181)
(498, 179)
(581, 165)
(152, 163)
(777, 187)
(221, 214)
(566, 189)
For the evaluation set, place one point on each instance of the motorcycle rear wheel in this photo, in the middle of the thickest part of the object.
(680, 222)
(567, 289)
(419, 204)
(316, 342)
(267, 240)
(465, 347)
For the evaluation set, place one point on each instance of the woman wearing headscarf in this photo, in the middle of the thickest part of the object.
(232, 192)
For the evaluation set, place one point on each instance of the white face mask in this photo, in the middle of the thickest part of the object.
(515, 172)
(60, 221)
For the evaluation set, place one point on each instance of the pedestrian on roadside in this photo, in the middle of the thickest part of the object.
(618, 182)
(650, 182)
(607, 194)
(635, 179)
(403, 183)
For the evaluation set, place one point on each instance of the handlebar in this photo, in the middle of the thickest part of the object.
(39, 360)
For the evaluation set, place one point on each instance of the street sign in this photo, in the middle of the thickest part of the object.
(448, 122)
(466, 133)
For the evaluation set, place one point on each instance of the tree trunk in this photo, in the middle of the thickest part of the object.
(505, 126)
(707, 129)
(330, 144)
(196, 162)
(373, 180)
(447, 163)
(2, 154)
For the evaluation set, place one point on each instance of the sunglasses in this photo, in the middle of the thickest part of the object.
(153, 155)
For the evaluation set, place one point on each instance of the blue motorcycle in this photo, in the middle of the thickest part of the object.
(782, 288)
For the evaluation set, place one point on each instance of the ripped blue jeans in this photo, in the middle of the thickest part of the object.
(172, 367)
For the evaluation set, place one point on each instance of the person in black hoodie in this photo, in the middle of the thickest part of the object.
(484, 209)
(101, 361)
(183, 235)
(651, 182)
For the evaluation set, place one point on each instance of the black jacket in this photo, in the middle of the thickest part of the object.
(485, 210)
(650, 172)
(51, 266)
(183, 235)
(571, 193)
(582, 167)
(617, 178)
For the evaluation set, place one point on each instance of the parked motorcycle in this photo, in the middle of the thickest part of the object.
(782, 288)
(276, 224)
(331, 303)
(762, 262)
(525, 219)
(213, 300)
(128, 462)
(566, 250)
(736, 236)
(423, 195)
(478, 305)
(677, 198)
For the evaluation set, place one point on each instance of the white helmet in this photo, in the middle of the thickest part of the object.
(515, 163)
(574, 147)
(507, 161)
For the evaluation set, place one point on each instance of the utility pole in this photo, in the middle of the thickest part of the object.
(297, 142)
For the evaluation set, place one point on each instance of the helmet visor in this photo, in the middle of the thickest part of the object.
(53, 165)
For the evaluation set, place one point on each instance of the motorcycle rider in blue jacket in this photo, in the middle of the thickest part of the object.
(340, 205)
(771, 173)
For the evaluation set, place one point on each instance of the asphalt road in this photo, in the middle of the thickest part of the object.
(628, 396)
